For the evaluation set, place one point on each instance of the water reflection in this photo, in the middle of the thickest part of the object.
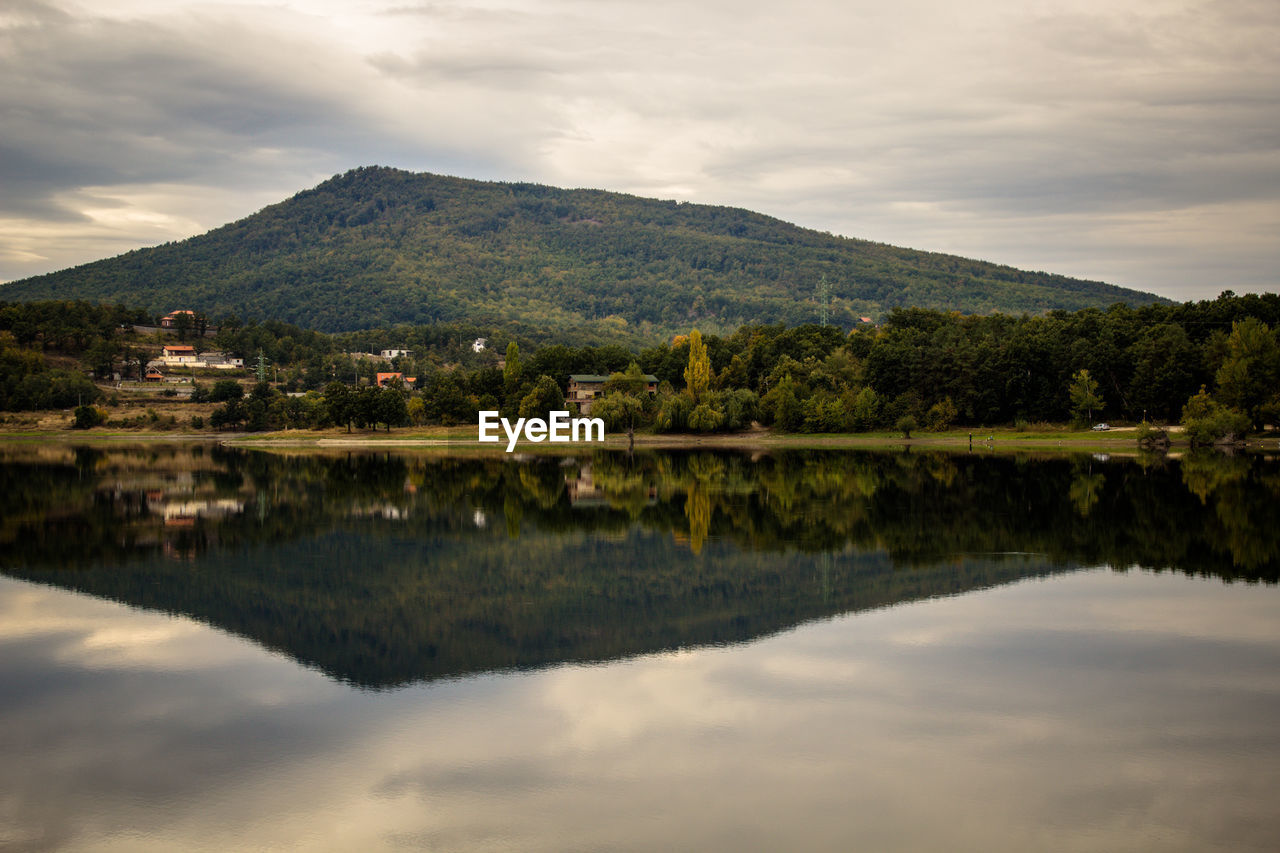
(1092, 711)
(383, 569)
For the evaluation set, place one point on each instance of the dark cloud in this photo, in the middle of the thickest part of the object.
(965, 129)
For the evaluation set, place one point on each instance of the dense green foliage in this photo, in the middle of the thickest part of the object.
(931, 370)
(377, 247)
(82, 331)
(28, 382)
(922, 369)
(384, 568)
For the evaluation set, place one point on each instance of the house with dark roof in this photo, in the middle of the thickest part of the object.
(584, 388)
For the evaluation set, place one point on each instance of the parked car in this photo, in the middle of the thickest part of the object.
(1101, 427)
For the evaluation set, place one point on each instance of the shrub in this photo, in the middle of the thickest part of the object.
(1149, 437)
(86, 417)
(941, 415)
(1207, 421)
(673, 415)
(704, 418)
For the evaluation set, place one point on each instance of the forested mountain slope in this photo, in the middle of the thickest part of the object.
(379, 246)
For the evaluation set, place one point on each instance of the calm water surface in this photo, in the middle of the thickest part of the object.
(212, 649)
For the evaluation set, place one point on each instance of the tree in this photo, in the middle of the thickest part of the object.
(619, 411)
(632, 381)
(1084, 395)
(134, 356)
(1165, 371)
(703, 418)
(1206, 421)
(941, 415)
(224, 390)
(416, 411)
(232, 414)
(391, 408)
(364, 406)
(86, 417)
(697, 376)
(782, 406)
(1250, 373)
(545, 397)
(338, 403)
(673, 412)
(865, 410)
(101, 357)
(627, 396)
(511, 369)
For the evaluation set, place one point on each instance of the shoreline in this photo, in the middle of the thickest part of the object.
(1116, 441)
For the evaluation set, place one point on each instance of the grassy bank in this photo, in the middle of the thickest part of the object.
(55, 427)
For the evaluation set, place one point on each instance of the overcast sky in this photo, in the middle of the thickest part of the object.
(1131, 141)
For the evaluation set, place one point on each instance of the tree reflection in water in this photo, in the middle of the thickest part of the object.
(387, 568)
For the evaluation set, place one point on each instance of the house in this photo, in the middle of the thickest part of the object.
(382, 380)
(153, 375)
(170, 321)
(389, 354)
(584, 388)
(179, 354)
(219, 361)
(479, 344)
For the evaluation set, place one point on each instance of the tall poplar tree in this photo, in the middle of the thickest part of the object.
(697, 376)
(511, 368)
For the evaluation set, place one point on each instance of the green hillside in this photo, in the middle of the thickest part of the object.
(379, 246)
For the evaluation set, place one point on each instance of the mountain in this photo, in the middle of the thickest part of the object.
(379, 246)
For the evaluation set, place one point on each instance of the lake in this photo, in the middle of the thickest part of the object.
(208, 648)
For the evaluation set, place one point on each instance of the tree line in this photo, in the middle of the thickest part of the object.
(1213, 364)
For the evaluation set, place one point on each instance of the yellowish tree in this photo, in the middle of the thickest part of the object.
(697, 376)
(1084, 395)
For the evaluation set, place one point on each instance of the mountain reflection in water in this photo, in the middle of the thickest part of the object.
(382, 569)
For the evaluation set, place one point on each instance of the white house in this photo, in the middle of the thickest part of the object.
(179, 354)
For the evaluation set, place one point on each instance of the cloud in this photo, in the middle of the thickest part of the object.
(1076, 137)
